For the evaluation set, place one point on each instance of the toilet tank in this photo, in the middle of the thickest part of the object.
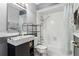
(36, 41)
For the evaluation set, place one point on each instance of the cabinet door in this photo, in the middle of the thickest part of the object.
(23, 50)
(76, 46)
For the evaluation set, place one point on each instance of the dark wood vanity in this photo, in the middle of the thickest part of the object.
(25, 49)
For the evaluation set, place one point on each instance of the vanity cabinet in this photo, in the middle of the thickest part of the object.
(25, 49)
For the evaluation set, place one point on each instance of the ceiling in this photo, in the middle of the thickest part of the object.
(44, 5)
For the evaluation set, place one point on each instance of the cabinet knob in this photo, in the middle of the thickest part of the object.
(76, 44)
(30, 44)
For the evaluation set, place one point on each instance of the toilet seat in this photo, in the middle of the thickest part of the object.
(41, 48)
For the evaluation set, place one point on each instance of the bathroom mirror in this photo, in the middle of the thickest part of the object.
(16, 15)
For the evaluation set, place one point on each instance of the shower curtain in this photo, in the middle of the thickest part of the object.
(69, 19)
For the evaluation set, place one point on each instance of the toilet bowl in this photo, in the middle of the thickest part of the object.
(41, 49)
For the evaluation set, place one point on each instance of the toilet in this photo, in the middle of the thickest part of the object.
(40, 48)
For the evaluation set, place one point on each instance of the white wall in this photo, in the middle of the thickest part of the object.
(3, 22)
(31, 13)
(54, 33)
(3, 17)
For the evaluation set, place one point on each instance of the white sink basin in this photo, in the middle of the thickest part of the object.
(20, 39)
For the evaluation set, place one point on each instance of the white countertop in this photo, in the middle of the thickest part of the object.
(20, 40)
(8, 34)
